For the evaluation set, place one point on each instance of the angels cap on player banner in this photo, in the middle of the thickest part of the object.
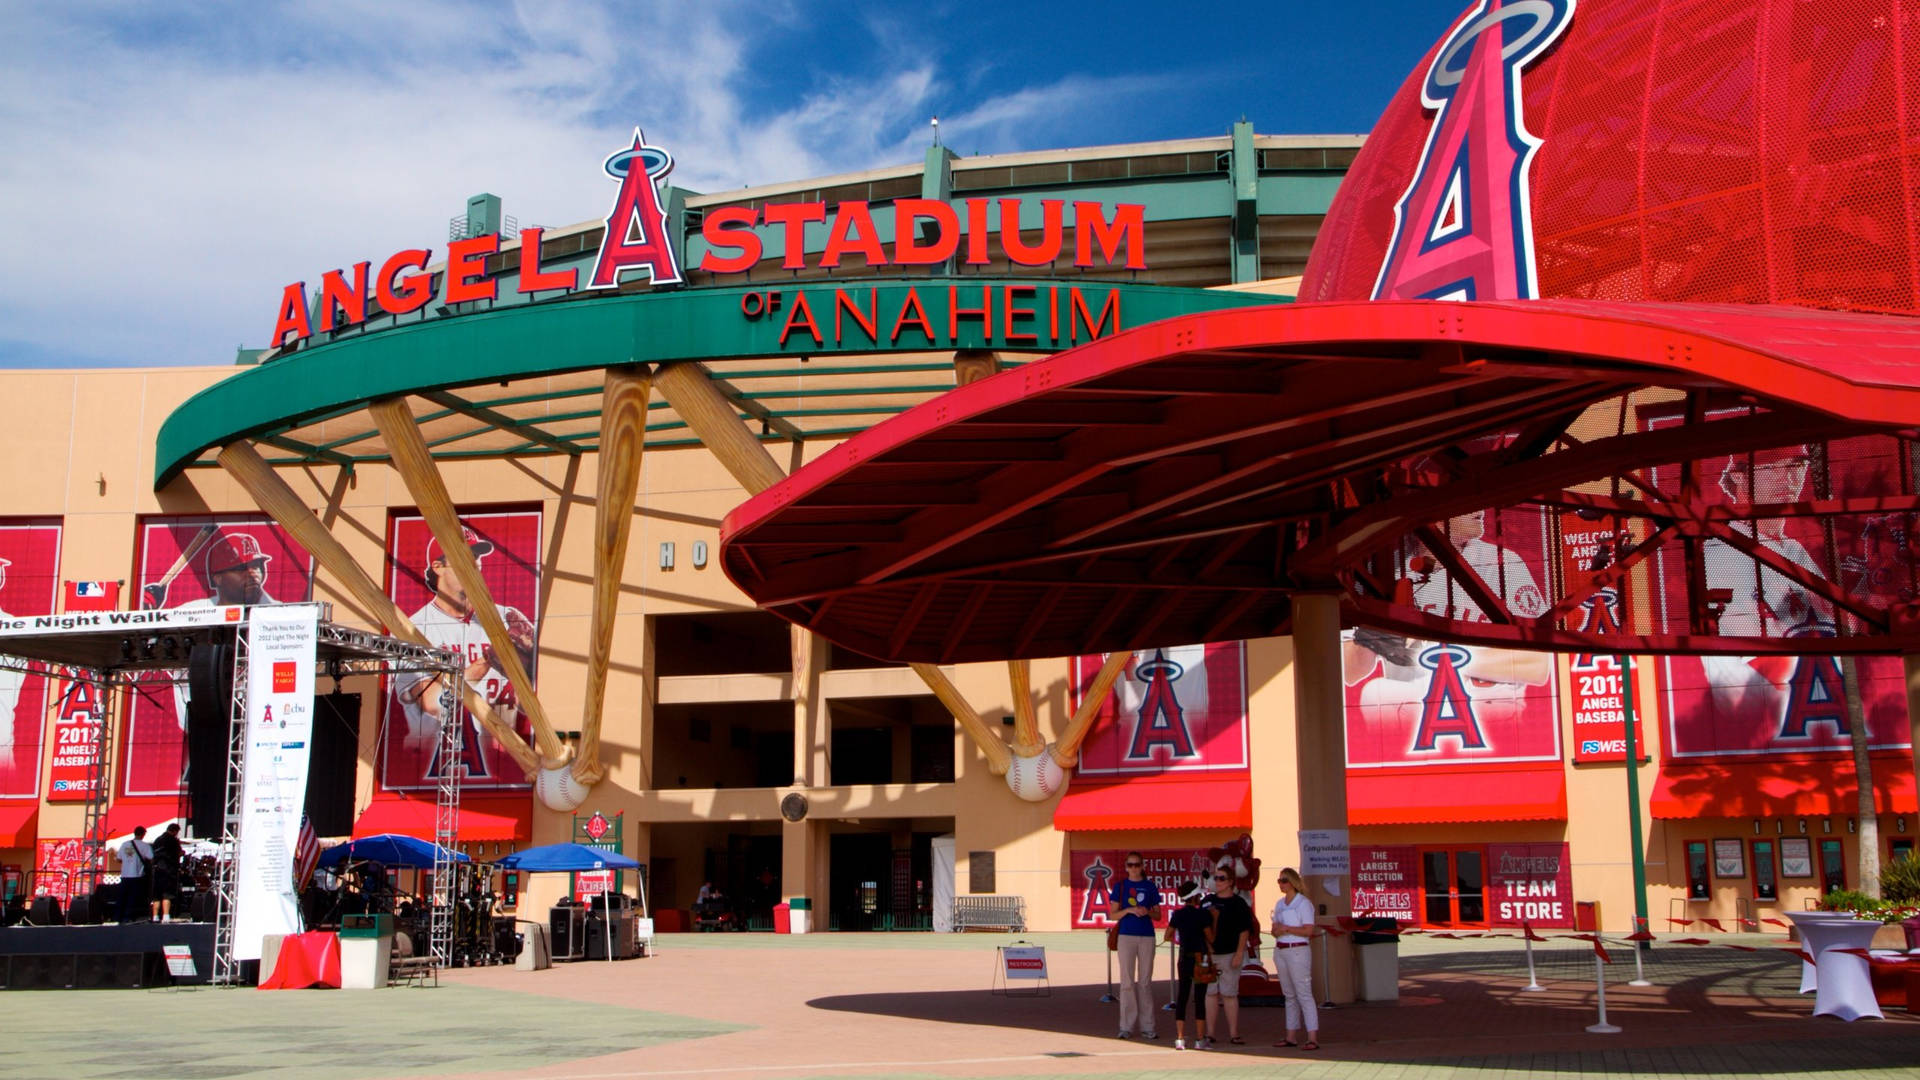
(231, 551)
(481, 548)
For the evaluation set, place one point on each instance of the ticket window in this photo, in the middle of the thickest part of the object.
(1766, 873)
(1833, 866)
(1699, 883)
(1454, 883)
(1900, 847)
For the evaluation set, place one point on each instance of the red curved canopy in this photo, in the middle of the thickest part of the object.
(1428, 461)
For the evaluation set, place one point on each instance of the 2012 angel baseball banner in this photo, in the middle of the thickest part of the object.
(29, 581)
(1177, 709)
(191, 562)
(1414, 702)
(507, 547)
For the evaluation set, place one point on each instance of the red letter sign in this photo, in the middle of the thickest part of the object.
(637, 228)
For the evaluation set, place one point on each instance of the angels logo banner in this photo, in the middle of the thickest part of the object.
(1416, 702)
(1787, 705)
(1176, 709)
(507, 546)
(29, 581)
(1096, 872)
(199, 561)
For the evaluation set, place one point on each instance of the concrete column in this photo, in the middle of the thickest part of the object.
(803, 865)
(1320, 771)
(812, 736)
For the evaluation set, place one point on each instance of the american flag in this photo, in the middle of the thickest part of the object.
(306, 854)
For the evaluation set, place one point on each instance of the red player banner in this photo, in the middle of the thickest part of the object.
(507, 546)
(1598, 689)
(1095, 873)
(1177, 709)
(29, 582)
(1414, 702)
(76, 730)
(59, 865)
(198, 561)
(1773, 706)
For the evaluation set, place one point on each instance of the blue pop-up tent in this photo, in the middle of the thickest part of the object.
(562, 857)
(391, 849)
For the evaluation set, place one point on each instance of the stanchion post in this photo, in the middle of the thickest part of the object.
(1108, 996)
(1600, 980)
(1173, 976)
(1326, 969)
(1533, 981)
(1639, 965)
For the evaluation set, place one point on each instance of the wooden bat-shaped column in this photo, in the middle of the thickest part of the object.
(271, 494)
(1066, 752)
(1026, 726)
(415, 465)
(999, 757)
(622, 438)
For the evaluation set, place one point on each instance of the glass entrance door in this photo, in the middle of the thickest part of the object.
(1454, 882)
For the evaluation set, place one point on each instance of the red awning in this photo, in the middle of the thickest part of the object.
(125, 813)
(19, 823)
(1417, 796)
(500, 817)
(1157, 802)
(1780, 789)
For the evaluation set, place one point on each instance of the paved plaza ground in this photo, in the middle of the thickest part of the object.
(920, 1005)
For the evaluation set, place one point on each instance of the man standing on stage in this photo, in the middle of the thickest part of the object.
(136, 857)
(167, 854)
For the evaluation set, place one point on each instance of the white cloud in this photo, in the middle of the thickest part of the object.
(167, 173)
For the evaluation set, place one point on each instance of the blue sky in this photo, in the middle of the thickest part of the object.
(168, 168)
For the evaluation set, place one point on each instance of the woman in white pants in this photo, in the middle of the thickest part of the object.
(1293, 930)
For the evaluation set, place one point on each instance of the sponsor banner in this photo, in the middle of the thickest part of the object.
(1415, 702)
(1386, 881)
(60, 868)
(1597, 686)
(29, 582)
(1178, 709)
(196, 570)
(76, 742)
(1095, 873)
(1530, 883)
(282, 644)
(507, 545)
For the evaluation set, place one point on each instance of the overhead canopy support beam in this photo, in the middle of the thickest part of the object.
(416, 467)
(622, 439)
(271, 494)
(710, 416)
(530, 432)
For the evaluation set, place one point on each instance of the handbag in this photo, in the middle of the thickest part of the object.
(1203, 970)
(1113, 938)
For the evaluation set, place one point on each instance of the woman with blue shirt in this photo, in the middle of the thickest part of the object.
(1134, 902)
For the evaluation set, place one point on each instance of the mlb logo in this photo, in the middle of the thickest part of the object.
(89, 588)
(284, 673)
(92, 595)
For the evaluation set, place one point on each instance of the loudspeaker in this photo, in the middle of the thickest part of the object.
(209, 720)
(85, 910)
(336, 751)
(107, 971)
(46, 912)
(204, 906)
(50, 971)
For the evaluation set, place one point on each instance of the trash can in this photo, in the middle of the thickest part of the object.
(1376, 958)
(366, 951)
(782, 920)
(535, 954)
(1586, 916)
(799, 914)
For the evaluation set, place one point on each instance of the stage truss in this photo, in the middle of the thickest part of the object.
(108, 649)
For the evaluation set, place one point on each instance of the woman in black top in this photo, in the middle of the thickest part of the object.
(1189, 927)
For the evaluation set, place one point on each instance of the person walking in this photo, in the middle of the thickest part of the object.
(167, 855)
(1232, 930)
(136, 856)
(1134, 903)
(1189, 927)
(1293, 931)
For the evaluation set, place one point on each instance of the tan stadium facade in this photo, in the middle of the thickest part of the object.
(716, 715)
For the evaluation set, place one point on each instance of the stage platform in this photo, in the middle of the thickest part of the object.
(89, 957)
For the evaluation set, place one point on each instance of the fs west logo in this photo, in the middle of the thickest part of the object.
(1464, 228)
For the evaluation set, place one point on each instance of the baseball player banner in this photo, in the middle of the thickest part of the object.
(1176, 709)
(65, 868)
(1096, 872)
(190, 562)
(1789, 705)
(29, 582)
(507, 546)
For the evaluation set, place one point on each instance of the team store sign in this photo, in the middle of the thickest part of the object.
(1527, 884)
